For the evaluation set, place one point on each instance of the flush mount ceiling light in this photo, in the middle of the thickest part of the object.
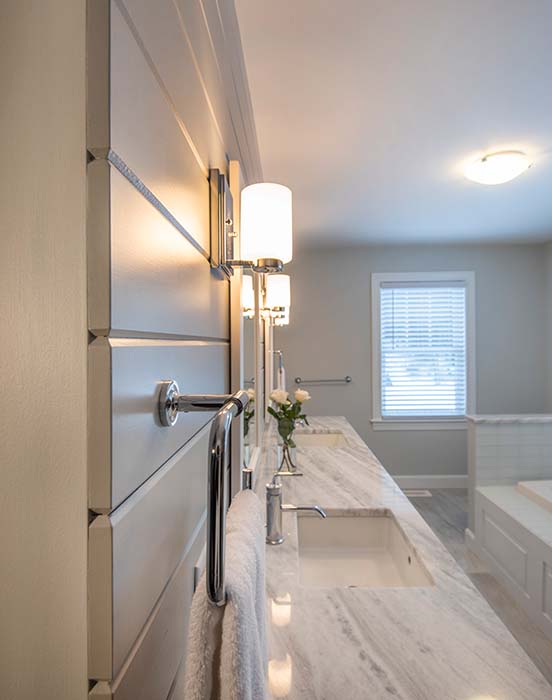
(499, 167)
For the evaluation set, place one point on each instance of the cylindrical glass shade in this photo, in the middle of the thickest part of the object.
(278, 292)
(266, 228)
(248, 296)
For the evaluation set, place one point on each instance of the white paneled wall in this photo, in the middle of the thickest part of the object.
(167, 100)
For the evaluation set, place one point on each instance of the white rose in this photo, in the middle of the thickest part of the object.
(251, 394)
(279, 395)
(301, 395)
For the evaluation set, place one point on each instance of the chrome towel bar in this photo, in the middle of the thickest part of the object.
(228, 406)
(342, 380)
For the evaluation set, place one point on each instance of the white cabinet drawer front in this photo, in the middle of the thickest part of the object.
(509, 554)
(147, 536)
(144, 276)
(154, 660)
(126, 440)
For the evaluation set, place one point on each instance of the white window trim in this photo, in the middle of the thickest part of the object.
(380, 423)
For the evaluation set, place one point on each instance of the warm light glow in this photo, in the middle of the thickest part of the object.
(282, 319)
(280, 610)
(248, 297)
(496, 168)
(278, 292)
(266, 229)
(280, 676)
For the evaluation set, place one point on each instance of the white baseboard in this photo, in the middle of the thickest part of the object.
(432, 481)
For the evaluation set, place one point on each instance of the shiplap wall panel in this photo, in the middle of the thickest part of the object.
(147, 136)
(144, 276)
(231, 71)
(203, 112)
(167, 100)
(195, 55)
(149, 532)
(124, 376)
(155, 658)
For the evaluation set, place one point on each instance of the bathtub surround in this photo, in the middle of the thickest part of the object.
(390, 640)
(510, 525)
(331, 336)
(503, 450)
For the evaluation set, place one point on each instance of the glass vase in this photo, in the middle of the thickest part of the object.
(286, 458)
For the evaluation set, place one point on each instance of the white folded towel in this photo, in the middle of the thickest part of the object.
(227, 654)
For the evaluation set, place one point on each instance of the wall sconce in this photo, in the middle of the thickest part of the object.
(248, 297)
(278, 299)
(282, 319)
(280, 608)
(280, 676)
(266, 226)
(278, 292)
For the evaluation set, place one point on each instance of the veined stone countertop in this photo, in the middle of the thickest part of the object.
(441, 642)
(513, 418)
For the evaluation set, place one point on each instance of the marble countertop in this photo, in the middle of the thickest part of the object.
(441, 642)
(511, 418)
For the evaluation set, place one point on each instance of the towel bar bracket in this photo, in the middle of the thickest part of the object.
(172, 402)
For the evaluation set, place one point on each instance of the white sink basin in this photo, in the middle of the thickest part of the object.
(336, 439)
(357, 551)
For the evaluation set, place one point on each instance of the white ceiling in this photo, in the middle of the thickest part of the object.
(367, 109)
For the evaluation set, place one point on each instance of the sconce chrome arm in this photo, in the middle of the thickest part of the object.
(264, 265)
(172, 402)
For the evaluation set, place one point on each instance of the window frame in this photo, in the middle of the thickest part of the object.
(422, 423)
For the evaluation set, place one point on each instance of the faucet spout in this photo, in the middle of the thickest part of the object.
(317, 509)
(275, 508)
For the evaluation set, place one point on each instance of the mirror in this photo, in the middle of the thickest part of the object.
(249, 420)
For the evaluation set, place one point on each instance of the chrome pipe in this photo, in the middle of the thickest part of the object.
(219, 445)
(341, 380)
(216, 502)
(228, 406)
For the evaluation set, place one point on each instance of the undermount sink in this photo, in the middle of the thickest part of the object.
(350, 551)
(335, 439)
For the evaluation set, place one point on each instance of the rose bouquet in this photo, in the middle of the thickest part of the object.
(287, 413)
(249, 412)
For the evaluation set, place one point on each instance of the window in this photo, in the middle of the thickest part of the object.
(423, 358)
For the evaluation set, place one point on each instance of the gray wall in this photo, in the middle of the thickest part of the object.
(43, 357)
(548, 325)
(330, 335)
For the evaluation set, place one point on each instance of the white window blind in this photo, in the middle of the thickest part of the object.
(423, 349)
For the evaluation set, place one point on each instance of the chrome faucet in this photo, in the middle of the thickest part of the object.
(275, 508)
